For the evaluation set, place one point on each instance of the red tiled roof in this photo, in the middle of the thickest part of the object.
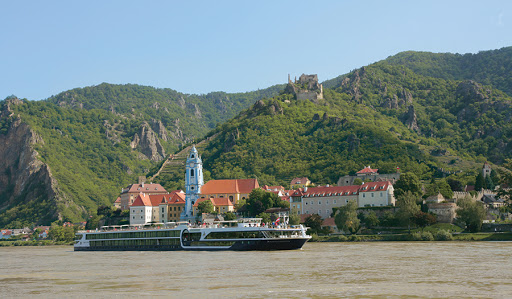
(175, 197)
(287, 198)
(331, 191)
(367, 169)
(238, 186)
(141, 200)
(374, 186)
(146, 188)
(118, 200)
(299, 181)
(329, 222)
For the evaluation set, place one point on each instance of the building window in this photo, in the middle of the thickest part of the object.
(191, 172)
(319, 202)
(381, 194)
(335, 201)
(326, 202)
(372, 194)
(364, 195)
(192, 156)
(327, 212)
(319, 212)
(163, 209)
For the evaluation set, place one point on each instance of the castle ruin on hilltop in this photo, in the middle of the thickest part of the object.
(307, 87)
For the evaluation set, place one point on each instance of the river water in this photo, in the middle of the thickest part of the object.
(319, 270)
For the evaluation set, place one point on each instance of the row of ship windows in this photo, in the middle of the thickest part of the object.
(141, 234)
(138, 242)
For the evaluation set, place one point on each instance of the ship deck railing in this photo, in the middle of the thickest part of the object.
(171, 225)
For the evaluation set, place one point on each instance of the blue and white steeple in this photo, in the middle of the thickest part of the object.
(193, 181)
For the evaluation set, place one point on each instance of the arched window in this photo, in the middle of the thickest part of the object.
(192, 156)
(191, 172)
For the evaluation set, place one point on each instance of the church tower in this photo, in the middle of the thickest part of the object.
(193, 181)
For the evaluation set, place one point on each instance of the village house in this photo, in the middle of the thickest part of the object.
(300, 183)
(117, 203)
(220, 205)
(130, 193)
(376, 194)
(171, 206)
(144, 209)
(321, 200)
(234, 190)
(368, 174)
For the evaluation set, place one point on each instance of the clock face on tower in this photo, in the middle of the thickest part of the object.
(191, 164)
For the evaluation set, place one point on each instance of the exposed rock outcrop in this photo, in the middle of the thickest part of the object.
(25, 181)
(148, 144)
(411, 120)
(159, 128)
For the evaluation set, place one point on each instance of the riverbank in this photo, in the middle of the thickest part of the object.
(416, 236)
(34, 243)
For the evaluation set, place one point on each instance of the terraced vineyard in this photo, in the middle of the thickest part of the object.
(171, 174)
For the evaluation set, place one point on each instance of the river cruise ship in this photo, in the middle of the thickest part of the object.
(242, 234)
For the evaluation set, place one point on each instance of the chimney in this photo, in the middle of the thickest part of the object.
(305, 189)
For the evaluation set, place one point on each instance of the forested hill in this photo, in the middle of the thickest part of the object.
(492, 67)
(97, 140)
(432, 114)
(385, 115)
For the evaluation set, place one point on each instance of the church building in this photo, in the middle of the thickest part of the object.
(224, 194)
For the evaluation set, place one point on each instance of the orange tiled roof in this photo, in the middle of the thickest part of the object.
(238, 186)
(367, 169)
(146, 188)
(331, 191)
(374, 186)
(299, 181)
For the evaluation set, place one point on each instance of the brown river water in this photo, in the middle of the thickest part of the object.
(319, 270)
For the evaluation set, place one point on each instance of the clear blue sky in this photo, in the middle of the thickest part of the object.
(47, 47)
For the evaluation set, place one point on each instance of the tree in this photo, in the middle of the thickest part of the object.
(294, 219)
(407, 208)
(455, 185)
(470, 212)
(346, 218)
(314, 223)
(505, 176)
(104, 210)
(408, 182)
(423, 219)
(489, 184)
(265, 217)
(371, 219)
(229, 216)
(440, 186)
(357, 182)
(205, 207)
(479, 182)
(260, 200)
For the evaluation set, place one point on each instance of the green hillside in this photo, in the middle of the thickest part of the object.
(431, 114)
(93, 139)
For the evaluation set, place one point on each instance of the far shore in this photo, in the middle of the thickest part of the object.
(406, 237)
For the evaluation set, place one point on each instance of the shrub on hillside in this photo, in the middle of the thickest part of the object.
(443, 235)
(422, 236)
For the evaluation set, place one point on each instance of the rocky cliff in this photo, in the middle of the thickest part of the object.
(26, 183)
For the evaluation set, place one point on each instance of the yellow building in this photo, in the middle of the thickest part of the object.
(300, 183)
(220, 205)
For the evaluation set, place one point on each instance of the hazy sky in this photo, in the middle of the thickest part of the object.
(47, 47)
